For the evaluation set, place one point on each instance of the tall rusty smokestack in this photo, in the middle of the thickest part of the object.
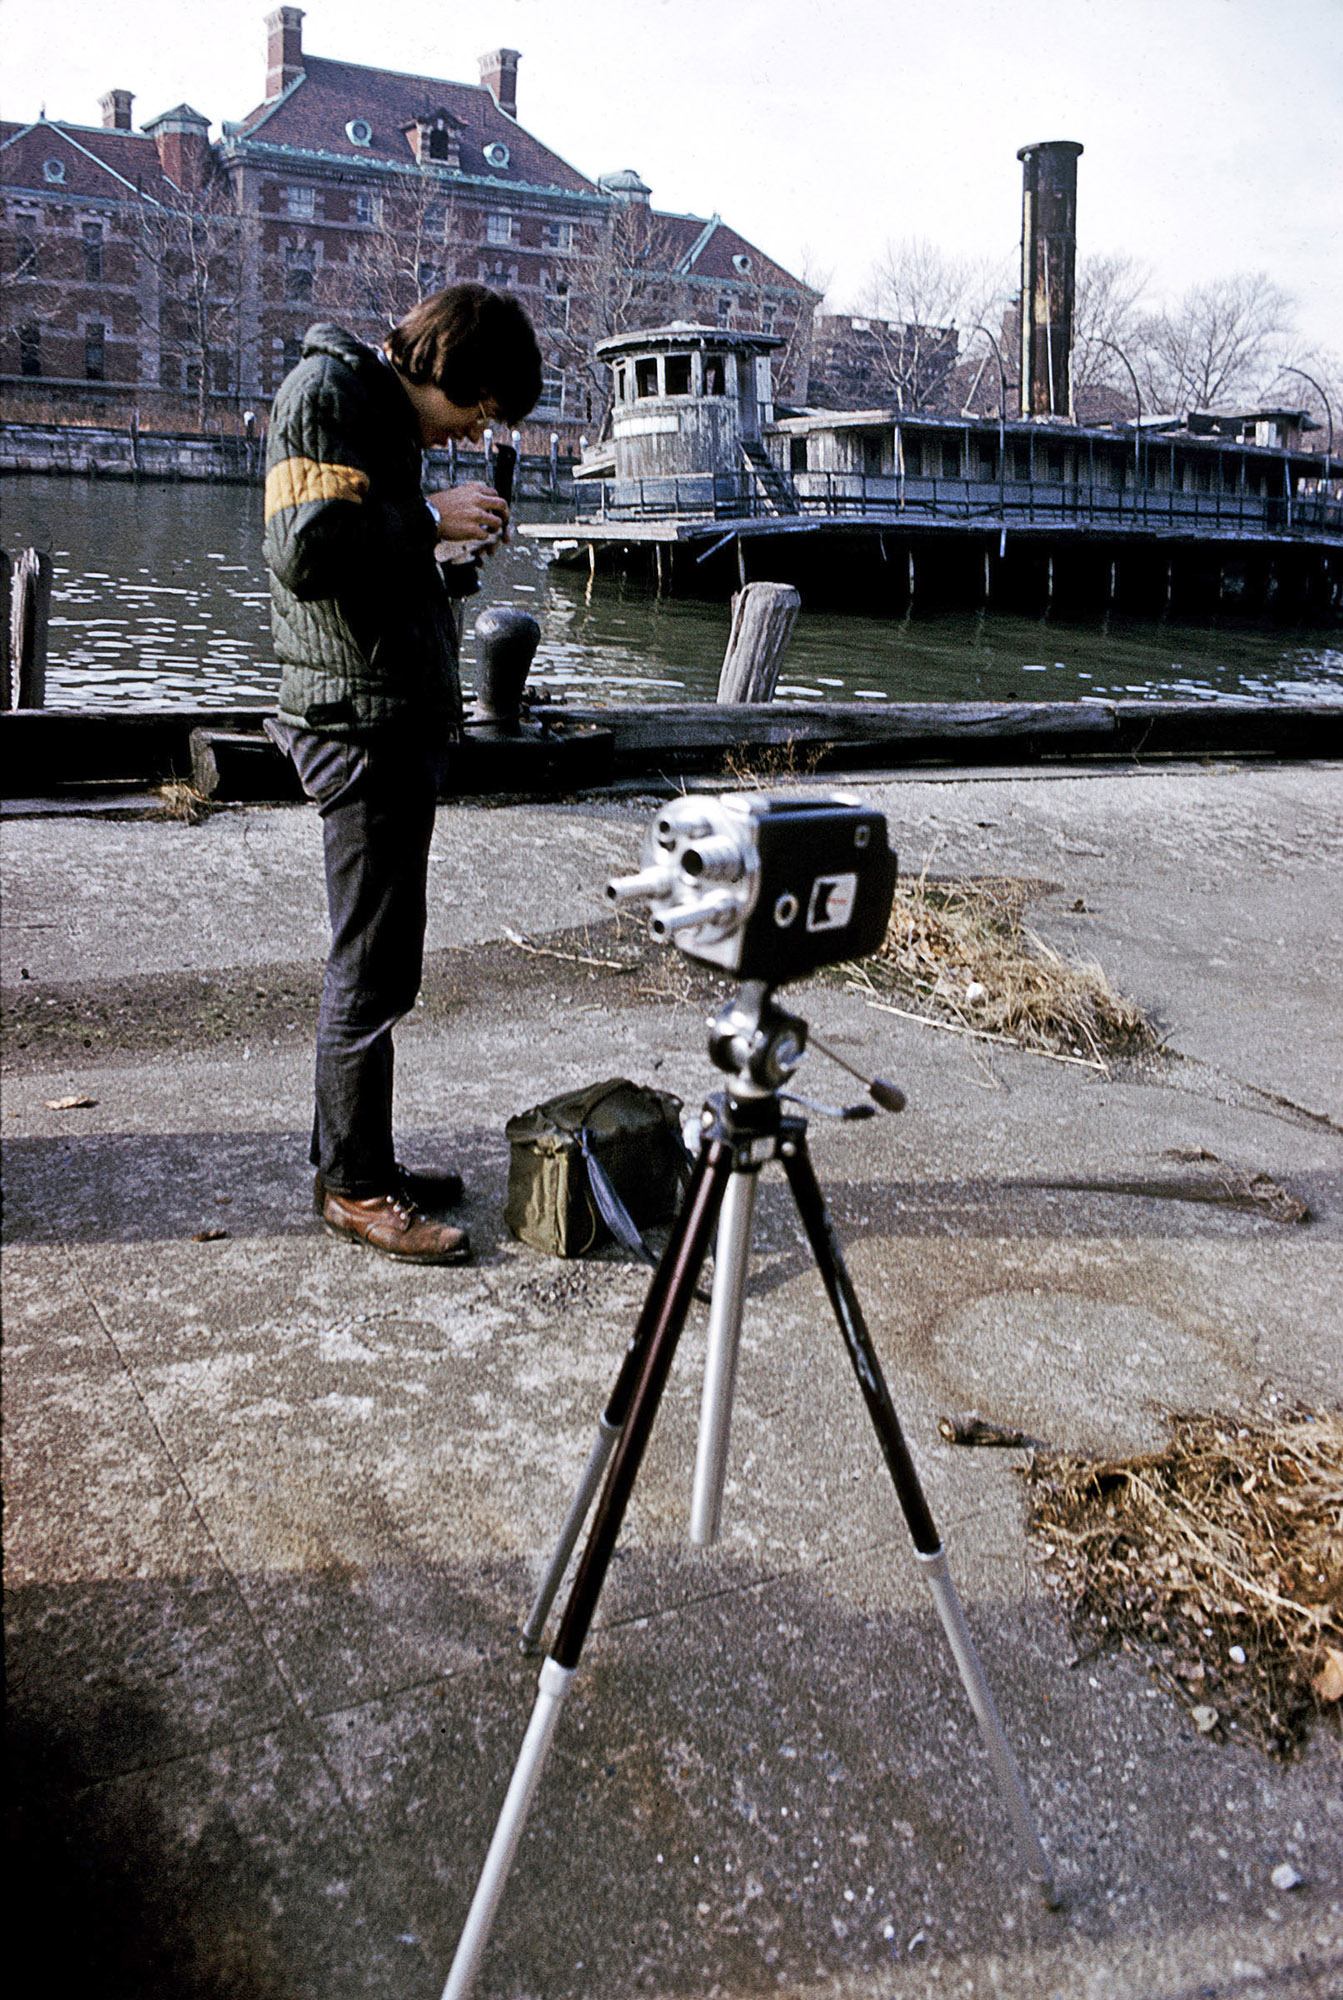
(1048, 267)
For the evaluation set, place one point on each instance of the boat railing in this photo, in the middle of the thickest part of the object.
(856, 495)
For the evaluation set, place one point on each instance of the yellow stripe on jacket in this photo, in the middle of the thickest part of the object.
(296, 481)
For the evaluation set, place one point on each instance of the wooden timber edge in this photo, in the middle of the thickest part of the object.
(59, 753)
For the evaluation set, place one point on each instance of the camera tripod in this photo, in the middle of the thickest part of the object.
(742, 1128)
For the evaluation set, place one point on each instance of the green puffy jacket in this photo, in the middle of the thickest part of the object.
(363, 627)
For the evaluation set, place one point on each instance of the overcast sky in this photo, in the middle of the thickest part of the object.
(1213, 129)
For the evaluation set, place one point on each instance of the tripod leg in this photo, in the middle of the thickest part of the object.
(602, 1447)
(659, 1329)
(552, 1689)
(610, 1425)
(720, 1360)
(927, 1543)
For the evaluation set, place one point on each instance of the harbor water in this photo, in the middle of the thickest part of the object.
(159, 598)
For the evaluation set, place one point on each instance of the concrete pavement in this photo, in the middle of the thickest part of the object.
(274, 1507)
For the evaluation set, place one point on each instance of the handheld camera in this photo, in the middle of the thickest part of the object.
(767, 886)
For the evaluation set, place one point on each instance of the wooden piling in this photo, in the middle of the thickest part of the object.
(763, 617)
(6, 681)
(29, 612)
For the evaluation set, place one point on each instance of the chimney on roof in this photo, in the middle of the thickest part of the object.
(182, 137)
(499, 74)
(284, 49)
(116, 109)
(1048, 276)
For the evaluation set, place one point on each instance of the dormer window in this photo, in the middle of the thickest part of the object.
(496, 155)
(435, 136)
(53, 171)
(359, 132)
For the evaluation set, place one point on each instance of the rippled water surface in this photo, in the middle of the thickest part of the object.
(159, 596)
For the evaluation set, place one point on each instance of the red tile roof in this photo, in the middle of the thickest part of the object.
(715, 259)
(99, 161)
(313, 114)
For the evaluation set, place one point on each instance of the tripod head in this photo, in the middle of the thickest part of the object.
(755, 1040)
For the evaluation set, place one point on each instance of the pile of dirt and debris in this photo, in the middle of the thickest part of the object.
(1218, 1560)
(960, 954)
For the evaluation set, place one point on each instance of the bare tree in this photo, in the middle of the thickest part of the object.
(1106, 318)
(407, 254)
(625, 278)
(1221, 343)
(192, 242)
(918, 298)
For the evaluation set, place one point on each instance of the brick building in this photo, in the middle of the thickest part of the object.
(155, 275)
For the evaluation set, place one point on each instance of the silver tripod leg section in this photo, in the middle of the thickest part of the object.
(603, 1446)
(551, 1691)
(990, 1723)
(720, 1362)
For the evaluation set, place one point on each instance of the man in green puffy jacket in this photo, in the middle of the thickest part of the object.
(370, 701)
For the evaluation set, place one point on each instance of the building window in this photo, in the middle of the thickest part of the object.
(677, 374)
(292, 353)
(435, 218)
(298, 277)
(30, 349)
(797, 454)
(496, 155)
(53, 171)
(951, 459)
(95, 351)
(715, 375)
(498, 227)
(359, 132)
(557, 235)
(92, 233)
(552, 393)
(299, 203)
(768, 315)
(725, 305)
(429, 278)
(25, 257)
(646, 377)
(367, 206)
(438, 143)
(913, 458)
(622, 385)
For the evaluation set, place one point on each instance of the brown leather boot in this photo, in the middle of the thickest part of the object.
(389, 1223)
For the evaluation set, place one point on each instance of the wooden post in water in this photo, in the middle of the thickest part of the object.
(763, 617)
(30, 608)
(6, 683)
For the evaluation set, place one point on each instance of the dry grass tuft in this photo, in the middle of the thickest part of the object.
(779, 764)
(960, 953)
(184, 802)
(1219, 1560)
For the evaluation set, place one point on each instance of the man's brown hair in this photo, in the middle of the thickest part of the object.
(473, 344)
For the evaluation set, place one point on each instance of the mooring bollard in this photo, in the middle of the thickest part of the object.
(29, 611)
(763, 617)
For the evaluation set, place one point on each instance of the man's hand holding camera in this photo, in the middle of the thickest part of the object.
(471, 513)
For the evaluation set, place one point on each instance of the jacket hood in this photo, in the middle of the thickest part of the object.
(334, 340)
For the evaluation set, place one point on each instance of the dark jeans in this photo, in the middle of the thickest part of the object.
(376, 800)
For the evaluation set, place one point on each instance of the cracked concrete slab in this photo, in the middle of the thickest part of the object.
(275, 1507)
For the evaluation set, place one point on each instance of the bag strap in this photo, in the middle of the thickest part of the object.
(611, 1208)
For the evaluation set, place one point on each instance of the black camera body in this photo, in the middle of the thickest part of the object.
(768, 886)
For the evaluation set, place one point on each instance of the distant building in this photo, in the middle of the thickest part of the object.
(858, 364)
(152, 273)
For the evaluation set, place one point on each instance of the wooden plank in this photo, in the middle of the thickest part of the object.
(47, 751)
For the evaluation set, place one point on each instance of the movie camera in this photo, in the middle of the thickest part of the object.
(768, 886)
